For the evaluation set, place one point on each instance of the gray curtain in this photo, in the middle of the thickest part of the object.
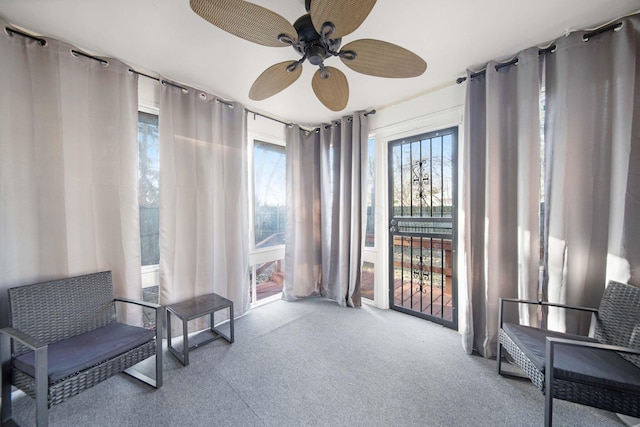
(344, 159)
(203, 198)
(501, 196)
(593, 168)
(68, 167)
(302, 260)
(326, 220)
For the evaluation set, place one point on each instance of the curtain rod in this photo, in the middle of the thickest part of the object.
(551, 49)
(255, 113)
(10, 31)
(170, 83)
(291, 124)
(86, 55)
(43, 42)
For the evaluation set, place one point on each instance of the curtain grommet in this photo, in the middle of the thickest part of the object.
(203, 96)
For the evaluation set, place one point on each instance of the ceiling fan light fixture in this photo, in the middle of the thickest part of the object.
(324, 73)
(316, 53)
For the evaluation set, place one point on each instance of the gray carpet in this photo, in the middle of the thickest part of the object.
(312, 363)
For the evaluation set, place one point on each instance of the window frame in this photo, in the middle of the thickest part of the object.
(258, 256)
(150, 274)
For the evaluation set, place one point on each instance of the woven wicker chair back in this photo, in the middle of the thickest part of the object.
(619, 318)
(59, 309)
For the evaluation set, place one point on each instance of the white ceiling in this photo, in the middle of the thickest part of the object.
(165, 37)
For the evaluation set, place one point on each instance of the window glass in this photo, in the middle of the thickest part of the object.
(148, 174)
(371, 196)
(269, 167)
(269, 278)
(368, 280)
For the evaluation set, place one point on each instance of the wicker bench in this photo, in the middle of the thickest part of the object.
(603, 372)
(64, 338)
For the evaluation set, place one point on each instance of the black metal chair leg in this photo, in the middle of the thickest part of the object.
(42, 387)
(548, 385)
(5, 359)
(160, 316)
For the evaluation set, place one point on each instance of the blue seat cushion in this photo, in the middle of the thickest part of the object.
(75, 354)
(577, 364)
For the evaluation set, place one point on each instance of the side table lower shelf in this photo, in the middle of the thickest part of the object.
(192, 309)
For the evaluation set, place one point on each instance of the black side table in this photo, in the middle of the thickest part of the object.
(192, 309)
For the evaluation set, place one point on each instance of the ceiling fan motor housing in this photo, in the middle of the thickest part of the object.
(311, 43)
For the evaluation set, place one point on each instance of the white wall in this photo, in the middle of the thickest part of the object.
(148, 93)
(433, 111)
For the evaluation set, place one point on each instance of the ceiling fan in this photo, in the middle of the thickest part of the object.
(315, 36)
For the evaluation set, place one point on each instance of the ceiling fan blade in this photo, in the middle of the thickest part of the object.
(273, 80)
(345, 15)
(332, 91)
(383, 59)
(246, 20)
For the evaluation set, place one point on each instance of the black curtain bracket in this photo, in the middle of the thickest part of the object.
(255, 114)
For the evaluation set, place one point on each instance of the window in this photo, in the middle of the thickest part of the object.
(368, 280)
(369, 241)
(148, 195)
(148, 174)
(269, 194)
(266, 272)
(267, 279)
